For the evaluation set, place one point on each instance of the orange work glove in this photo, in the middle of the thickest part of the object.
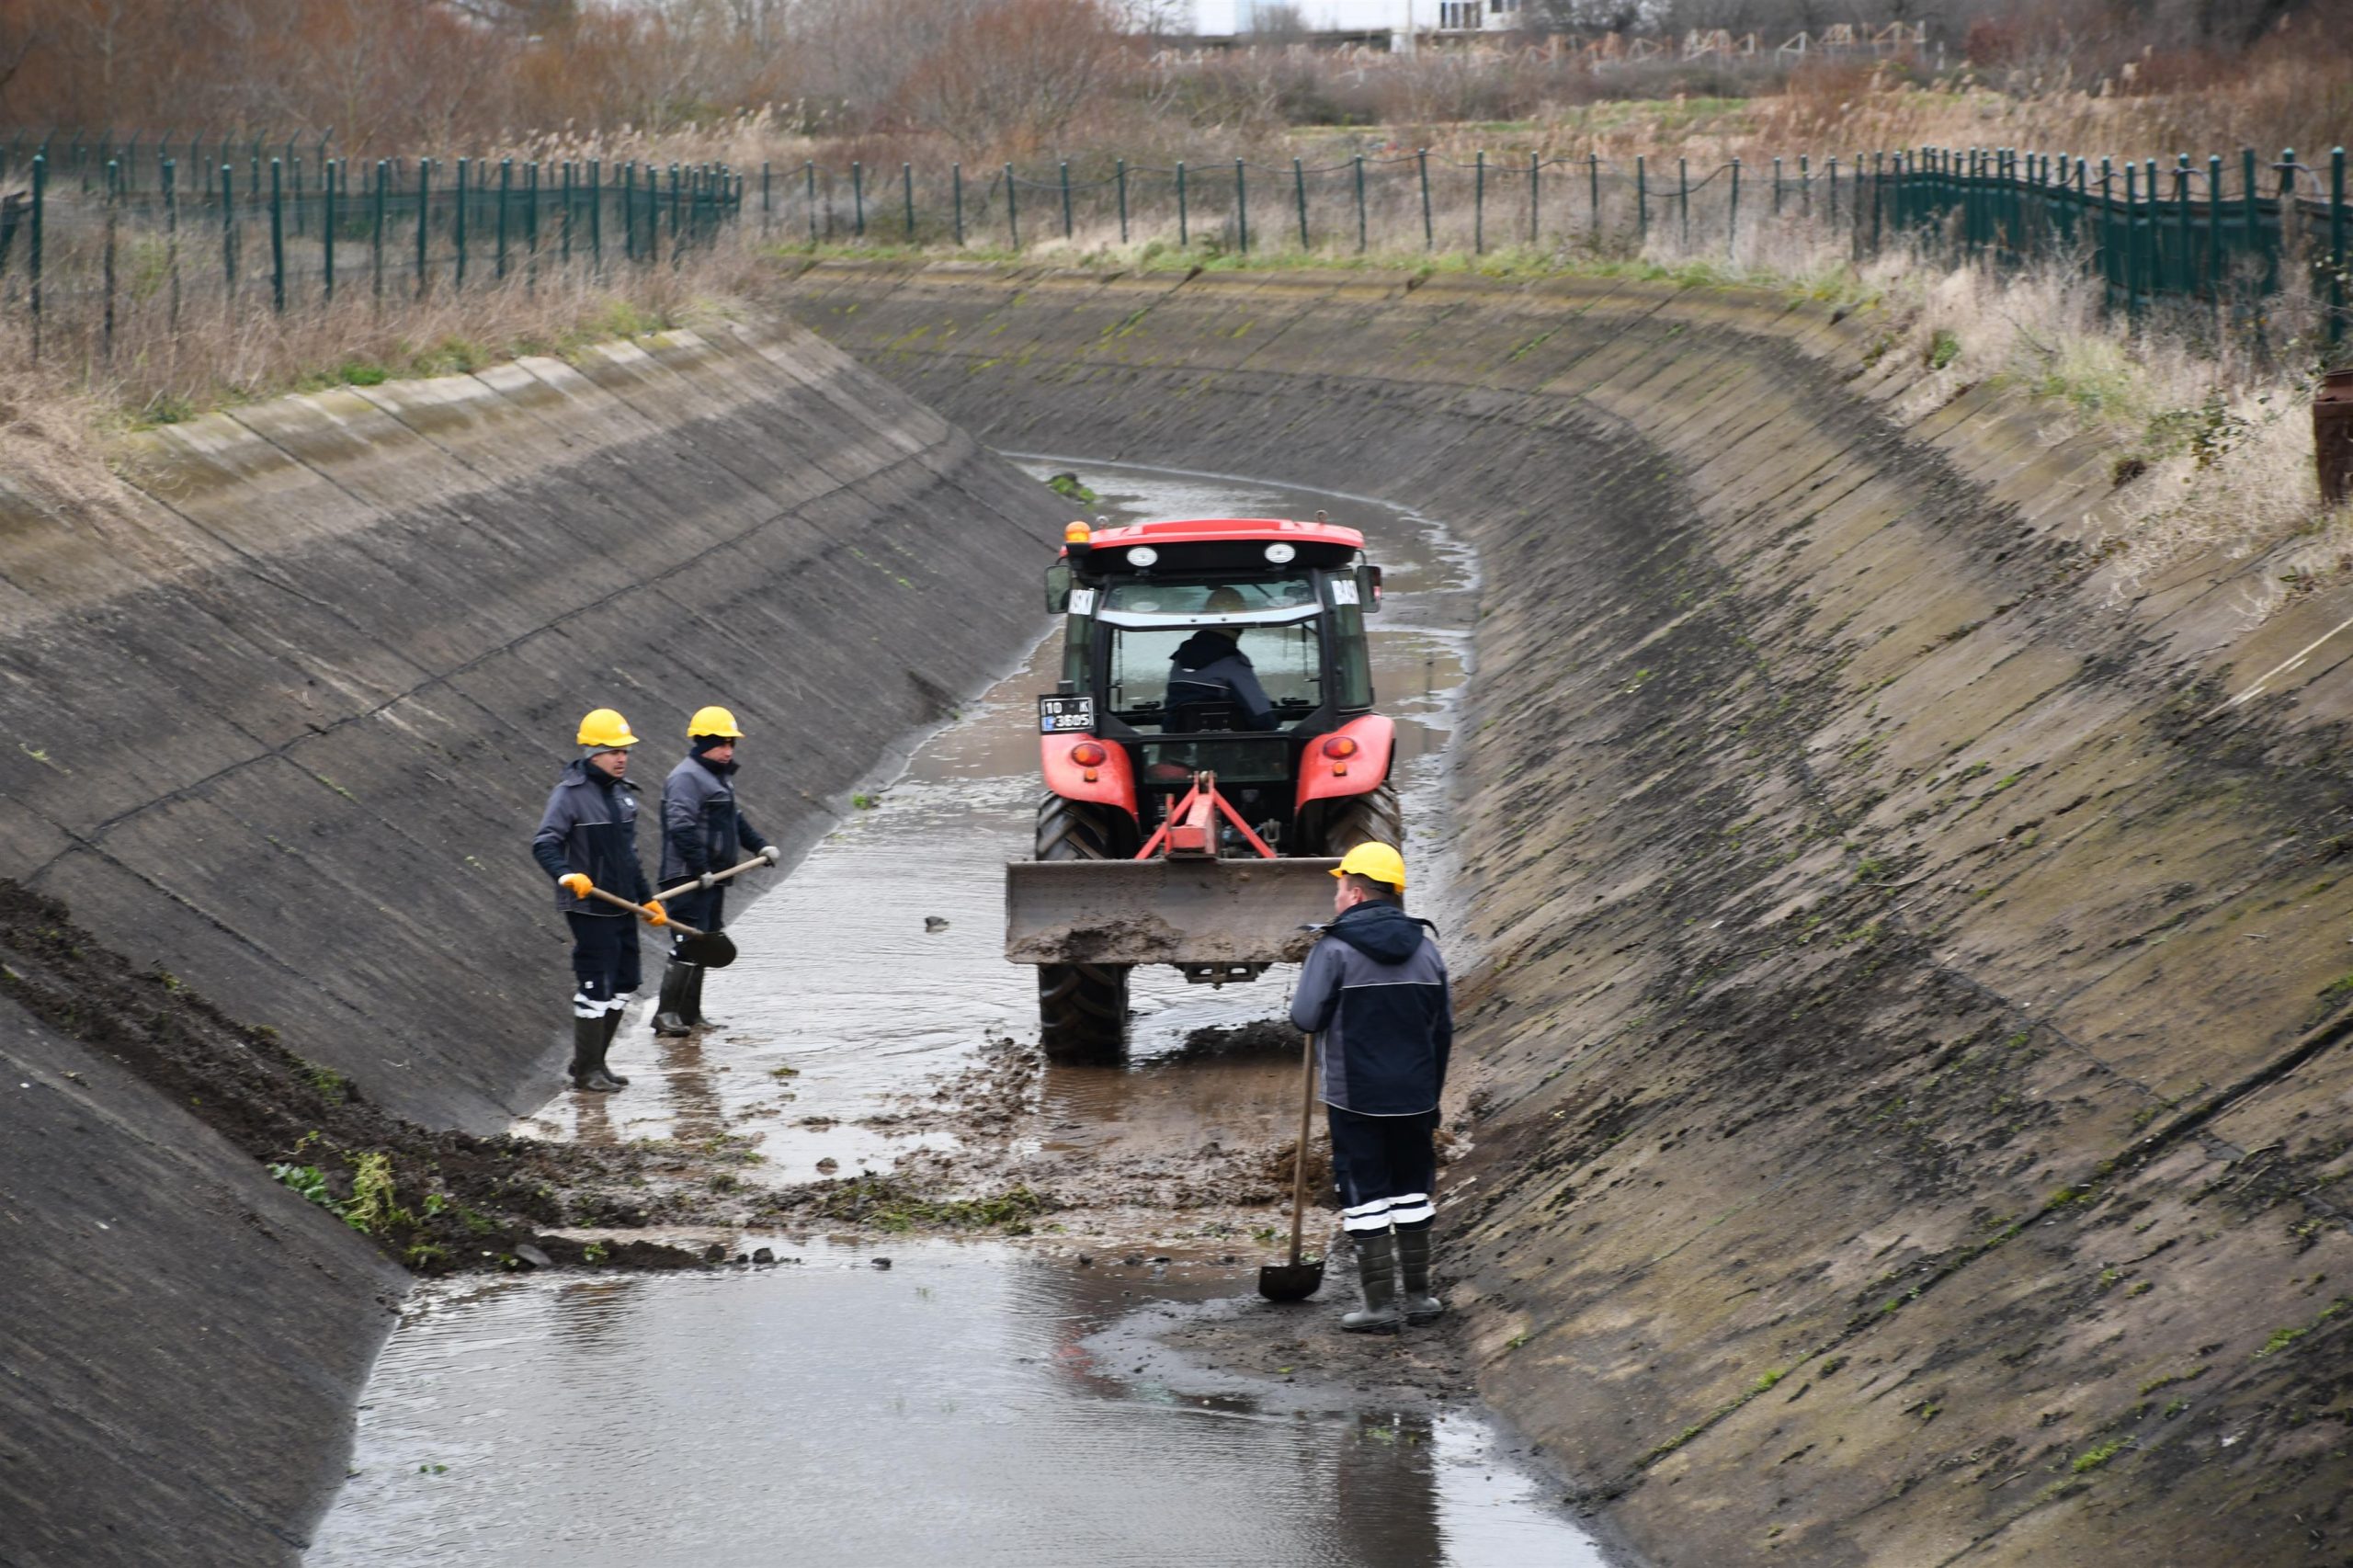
(577, 882)
(654, 912)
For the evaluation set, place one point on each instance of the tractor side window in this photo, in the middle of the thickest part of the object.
(1078, 644)
(1352, 662)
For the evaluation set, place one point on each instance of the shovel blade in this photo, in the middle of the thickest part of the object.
(1290, 1282)
(712, 949)
(1182, 911)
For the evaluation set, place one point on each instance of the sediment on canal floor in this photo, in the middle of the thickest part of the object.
(281, 714)
(1902, 1143)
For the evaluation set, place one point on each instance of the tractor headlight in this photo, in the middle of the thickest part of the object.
(1143, 555)
(1280, 552)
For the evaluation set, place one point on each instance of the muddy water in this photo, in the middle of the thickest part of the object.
(966, 1404)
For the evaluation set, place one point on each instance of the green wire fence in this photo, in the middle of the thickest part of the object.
(265, 223)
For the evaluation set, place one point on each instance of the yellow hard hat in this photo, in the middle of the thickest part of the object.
(1377, 861)
(605, 728)
(713, 721)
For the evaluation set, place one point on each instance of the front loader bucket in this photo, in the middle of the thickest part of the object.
(1181, 911)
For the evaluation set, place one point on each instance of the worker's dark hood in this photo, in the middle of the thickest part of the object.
(1205, 647)
(1381, 931)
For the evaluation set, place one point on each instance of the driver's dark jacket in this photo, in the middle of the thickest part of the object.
(702, 829)
(590, 827)
(1209, 667)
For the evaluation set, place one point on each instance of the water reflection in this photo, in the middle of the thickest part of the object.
(948, 1410)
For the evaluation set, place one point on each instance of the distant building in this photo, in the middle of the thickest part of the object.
(1392, 23)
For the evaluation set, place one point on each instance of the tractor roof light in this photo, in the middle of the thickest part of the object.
(1143, 555)
(1340, 745)
(1077, 533)
(1280, 552)
(1087, 754)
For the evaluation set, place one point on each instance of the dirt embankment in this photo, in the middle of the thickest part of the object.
(278, 719)
(1902, 1143)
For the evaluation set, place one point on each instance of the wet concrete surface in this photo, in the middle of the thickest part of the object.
(985, 1403)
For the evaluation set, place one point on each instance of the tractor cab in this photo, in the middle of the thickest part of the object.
(1210, 750)
(1228, 646)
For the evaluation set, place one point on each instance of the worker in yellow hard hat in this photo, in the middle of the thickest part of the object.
(1374, 992)
(587, 841)
(703, 832)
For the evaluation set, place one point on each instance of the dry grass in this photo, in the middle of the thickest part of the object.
(60, 414)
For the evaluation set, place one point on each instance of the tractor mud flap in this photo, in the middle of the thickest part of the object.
(1184, 912)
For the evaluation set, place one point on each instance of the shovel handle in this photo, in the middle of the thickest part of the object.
(666, 894)
(1299, 1168)
(643, 912)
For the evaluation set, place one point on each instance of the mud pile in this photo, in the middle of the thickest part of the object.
(1902, 1143)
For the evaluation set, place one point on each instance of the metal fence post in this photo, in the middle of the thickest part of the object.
(171, 183)
(1298, 186)
(908, 188)
(1731, 220)
(1642, 204)
(277, 241)
(106, 268)
(1534, 219)
(424, 221)
(1065, 178)
(1241, 207)
(1479, 203)
(597, 213)
(1429, 235)
(326, 226)
(2336, 247)
(1593, 174)
(1683, 195)
(1012, 213)
(228, 227)
(505, 191)
(1184, 232)
(1123, 201)
(956, 178)
(33, 243)
(1360, 222)
(465, 199)
(376, 231)
(857, 197)
(809, 201)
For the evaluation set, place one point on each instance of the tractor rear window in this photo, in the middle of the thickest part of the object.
(1284, 657)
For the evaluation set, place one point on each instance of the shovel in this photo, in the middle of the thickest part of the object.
(711, 950)
(1295, 1281)
(666, 894)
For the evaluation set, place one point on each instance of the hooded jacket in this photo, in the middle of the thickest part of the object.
(590, 827)
(1374, 989)
(1209, 667)
(702, 830)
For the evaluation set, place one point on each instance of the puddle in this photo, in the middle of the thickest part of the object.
(951, 1409)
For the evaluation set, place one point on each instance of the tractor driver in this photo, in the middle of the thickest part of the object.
(1210, 667)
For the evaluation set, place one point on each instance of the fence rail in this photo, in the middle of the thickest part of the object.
(2232, 235)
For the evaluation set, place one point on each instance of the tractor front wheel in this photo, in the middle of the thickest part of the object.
(1082, 1007)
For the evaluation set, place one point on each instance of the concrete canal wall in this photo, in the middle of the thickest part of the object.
(1899, 1138)
(278, 719)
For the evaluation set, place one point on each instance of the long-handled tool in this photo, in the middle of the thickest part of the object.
(666, 894)
(712, 949)
(1295, 1281)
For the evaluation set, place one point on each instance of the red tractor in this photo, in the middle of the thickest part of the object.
(1210, 750)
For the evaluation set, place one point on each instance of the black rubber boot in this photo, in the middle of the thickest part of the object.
(1414, 1272)
(612, 1027)
(587, 1068)
(670, 1016)
(1377, 1278)
(694, 1015)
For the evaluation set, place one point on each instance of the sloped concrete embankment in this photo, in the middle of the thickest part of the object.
(1900, 1141)
(279, 720)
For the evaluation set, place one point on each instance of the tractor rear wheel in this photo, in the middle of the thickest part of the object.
(1082, 1007)
(1369, 818)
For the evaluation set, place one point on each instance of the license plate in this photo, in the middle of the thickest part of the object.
(1066, 715)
